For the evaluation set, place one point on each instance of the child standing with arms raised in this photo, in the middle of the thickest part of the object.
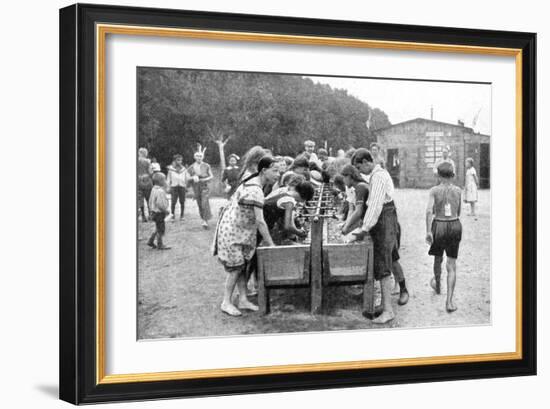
(444, 230)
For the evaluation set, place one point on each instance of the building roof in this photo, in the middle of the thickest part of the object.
(425, 120)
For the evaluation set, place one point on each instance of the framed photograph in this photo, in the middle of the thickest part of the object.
(257, 203)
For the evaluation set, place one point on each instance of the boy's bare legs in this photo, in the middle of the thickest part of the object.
(399, 277)
(473, 208)
(387, 314)
(451, 281)
(230, 282)
(397, 271)
(436, 280)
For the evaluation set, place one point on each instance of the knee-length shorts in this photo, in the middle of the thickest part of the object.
(446, 238)
(385, 241)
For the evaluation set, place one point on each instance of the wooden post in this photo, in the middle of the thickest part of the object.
(368, 289)
(263, 291)
(221, 150)
(316, 269)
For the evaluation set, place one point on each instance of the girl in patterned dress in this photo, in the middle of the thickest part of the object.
(235, 240)
(470, 188)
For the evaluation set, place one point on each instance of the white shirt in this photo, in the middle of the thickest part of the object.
(350, 195)
(176, 177)
(381, 192)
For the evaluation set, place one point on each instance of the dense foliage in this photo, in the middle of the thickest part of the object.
(177, 109)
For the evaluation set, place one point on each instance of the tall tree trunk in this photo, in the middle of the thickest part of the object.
(222, 154)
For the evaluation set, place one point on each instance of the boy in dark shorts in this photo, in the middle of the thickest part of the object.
(158, 205)
(444, 230)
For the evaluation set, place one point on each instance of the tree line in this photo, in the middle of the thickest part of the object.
(179, 109)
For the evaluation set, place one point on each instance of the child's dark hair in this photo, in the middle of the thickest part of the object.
(158, 178)
(300, 162)
(176, 157)
(445, 170)
(294, 180)
(339, 183)
(265, 163)
(360, 155)
(305, 190)
(352, 171)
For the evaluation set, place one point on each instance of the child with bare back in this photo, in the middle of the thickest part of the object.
(444, 230)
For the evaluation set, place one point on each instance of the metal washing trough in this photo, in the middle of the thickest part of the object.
(318, 264)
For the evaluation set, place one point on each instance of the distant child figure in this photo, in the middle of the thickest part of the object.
(445, 158)
(158, 205)
(230, 175)
(444, 230)
(470, 188)
(177, 179)
(144, 182)
(300, 166)
(200, 174)
(155, 166)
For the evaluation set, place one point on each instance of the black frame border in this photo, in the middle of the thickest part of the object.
(77, 316)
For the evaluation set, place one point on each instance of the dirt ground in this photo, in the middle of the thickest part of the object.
(180, 290)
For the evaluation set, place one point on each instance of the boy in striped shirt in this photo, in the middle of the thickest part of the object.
(381, 222)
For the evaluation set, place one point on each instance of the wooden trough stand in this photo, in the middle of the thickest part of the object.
(317, 266)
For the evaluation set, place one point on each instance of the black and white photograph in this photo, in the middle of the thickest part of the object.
(275, 203)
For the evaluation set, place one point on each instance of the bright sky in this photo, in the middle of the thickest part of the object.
(403, 100)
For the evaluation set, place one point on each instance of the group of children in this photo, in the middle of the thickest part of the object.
(262, 197)
(154, 186)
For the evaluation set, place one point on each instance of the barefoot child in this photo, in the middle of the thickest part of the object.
(470, 188)
(235, 239)
(444, 230)
(158, 204)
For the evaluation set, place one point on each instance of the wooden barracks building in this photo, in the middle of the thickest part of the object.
(412, 147)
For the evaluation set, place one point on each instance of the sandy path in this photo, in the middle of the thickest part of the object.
(180, 289)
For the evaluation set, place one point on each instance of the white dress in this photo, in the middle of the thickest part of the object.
(470, 191)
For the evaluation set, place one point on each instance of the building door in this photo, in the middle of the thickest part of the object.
(393, 165)
(484, 166)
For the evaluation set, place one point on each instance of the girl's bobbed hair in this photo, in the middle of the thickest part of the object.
(265, 163)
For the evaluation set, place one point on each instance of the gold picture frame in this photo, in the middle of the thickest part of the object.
(93, 384)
